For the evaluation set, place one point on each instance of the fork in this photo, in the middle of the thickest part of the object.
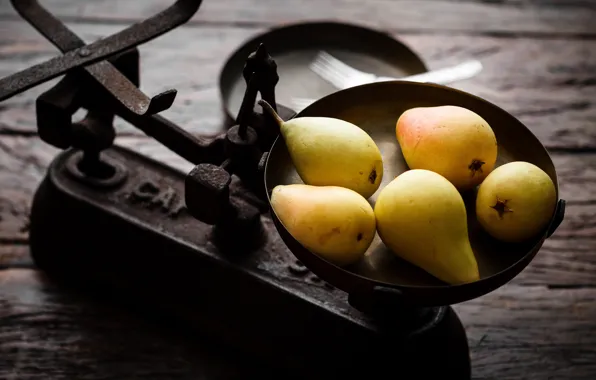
(344, 76)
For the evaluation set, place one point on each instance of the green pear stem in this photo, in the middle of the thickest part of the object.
(267, 107)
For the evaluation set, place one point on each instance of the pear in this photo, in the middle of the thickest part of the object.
(453, 141)
(336, 223)
(421, 217)
(331, 152)
(516, 202)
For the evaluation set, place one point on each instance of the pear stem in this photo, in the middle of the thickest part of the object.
(267, 107)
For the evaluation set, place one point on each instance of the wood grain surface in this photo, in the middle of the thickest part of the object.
(563, 17)
(539, 62)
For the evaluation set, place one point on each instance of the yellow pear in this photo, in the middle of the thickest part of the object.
(516, 201)
(453, 141)
(331, 152)
(421, 217)
(333, 222)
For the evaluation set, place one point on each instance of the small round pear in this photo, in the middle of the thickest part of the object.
(515, 202)
(452, 141)
(327, 151)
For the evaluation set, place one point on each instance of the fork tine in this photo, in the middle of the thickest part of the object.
(350, 73)
(323, 64)
(328, 73)
(298, 104)
(338, 73)
(338, 65)
(335, 71)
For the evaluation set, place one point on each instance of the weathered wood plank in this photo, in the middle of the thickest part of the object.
(549, 84)
(505, 17)
(532, 333)
(23, 162)
(560, 263)
(577, 177)
(566, 258)
(47, 331)
(15, 256)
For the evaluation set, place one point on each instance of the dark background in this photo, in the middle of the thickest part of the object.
(539, 64)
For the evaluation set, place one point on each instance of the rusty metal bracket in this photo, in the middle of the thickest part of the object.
(103, 78)
(92, 56)
(207, 186)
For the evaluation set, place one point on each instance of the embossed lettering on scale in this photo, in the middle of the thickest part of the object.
(152, 196)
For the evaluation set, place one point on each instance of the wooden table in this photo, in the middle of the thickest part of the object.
(540, 65)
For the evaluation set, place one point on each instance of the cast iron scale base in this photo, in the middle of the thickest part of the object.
(200, 248)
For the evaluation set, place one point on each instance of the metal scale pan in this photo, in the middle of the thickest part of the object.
(375, 108)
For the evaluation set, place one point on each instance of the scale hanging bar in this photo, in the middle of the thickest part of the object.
(92, 56)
